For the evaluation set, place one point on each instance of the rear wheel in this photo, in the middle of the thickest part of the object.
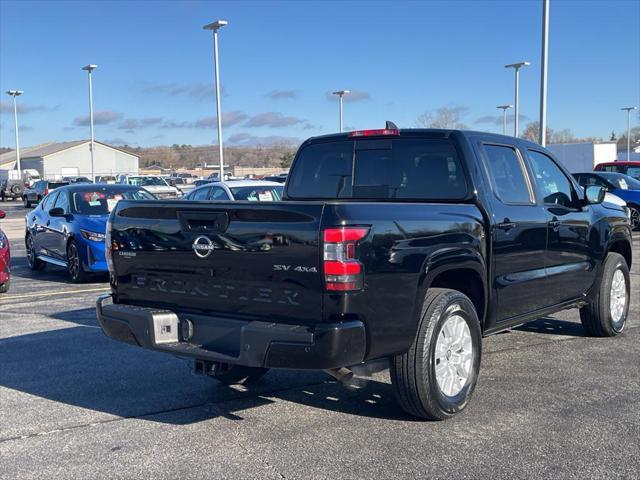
(32, 260)
(238, 374)
(74, 264)
(606, 315)
(436, 377)
(635, 217)
(4, 287)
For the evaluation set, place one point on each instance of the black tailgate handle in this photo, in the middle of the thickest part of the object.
(203, 222)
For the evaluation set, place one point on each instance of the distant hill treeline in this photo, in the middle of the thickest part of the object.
(188, 156)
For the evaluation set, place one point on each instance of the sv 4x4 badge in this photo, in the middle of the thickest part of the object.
(299, 268)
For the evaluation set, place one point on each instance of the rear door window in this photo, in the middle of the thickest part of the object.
(508, 174)
(398, 168)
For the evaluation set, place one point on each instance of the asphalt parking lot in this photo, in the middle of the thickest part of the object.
(550, 403)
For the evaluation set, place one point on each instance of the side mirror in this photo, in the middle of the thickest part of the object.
(594, 194)
(2, 214)
(56, 212)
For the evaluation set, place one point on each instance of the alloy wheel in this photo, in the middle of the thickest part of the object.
(618, 299)
(635, 218)
(453, 356)
(31, 254)
(73, 262)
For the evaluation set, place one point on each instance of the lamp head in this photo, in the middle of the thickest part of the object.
(217, 25)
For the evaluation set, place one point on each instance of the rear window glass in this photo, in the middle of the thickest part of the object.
(379, 169)
(53, 185)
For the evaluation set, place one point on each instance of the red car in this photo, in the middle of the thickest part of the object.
(5, 259)
(628, 168)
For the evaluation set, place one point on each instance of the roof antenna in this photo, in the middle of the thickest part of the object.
(389, 125)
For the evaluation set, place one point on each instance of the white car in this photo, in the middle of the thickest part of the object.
(153, 184)
(247, 190)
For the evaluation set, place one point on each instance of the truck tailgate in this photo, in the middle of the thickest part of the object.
(238, 259)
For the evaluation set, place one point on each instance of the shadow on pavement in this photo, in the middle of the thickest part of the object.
(554, 327)
(79, 366)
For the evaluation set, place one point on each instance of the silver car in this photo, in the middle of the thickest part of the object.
(249, 190)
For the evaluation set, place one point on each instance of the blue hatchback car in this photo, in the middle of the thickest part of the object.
(68, 227)
(621, 185)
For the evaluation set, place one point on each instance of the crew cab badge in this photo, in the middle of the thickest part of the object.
(203, 246)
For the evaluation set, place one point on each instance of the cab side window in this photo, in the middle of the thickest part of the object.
(553, 185)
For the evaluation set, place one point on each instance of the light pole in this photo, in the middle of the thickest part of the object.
(90, 68)
(542, 136)
(215, 26)
(341, 93)
(517, 67)
(14, 94)
(628, 109)
(504, 109)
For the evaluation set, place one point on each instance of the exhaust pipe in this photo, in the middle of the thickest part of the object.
(343, 375)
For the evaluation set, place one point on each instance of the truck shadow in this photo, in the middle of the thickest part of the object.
(81, 367)
(553, 326)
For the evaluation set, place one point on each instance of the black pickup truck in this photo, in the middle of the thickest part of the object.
(402, 244)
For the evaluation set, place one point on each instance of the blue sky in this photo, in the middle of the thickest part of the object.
(280, 59)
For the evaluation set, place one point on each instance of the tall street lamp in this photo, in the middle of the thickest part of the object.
(542, 135)
(90, 68)
(504, 109)
(340, 94)
(14, 94)
(517, 67)
(628, 109)
(215, 26)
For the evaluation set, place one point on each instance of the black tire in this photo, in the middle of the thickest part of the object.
(75, 268)
(4, 287)
(635, 217)
(413, 373)
(33, 262)
(238, 374)
(26, 202)
(596, 317)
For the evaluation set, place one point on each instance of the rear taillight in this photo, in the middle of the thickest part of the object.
(342, 271)
(46, 192)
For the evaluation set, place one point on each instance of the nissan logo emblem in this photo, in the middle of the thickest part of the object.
(203, 246)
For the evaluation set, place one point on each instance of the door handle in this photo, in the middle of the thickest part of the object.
(506, 226)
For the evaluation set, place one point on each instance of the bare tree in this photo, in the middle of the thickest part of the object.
(444, 117)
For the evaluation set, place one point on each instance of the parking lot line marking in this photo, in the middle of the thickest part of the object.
(65, 292)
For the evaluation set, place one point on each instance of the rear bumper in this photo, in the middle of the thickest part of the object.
(238, 342)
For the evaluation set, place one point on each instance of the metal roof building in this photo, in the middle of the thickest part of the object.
(56, 160)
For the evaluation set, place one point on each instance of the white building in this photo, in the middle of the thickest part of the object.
(57, 160)
(583, 156)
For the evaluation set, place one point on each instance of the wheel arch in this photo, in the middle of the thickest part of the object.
(623, 247)
(464, 271)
